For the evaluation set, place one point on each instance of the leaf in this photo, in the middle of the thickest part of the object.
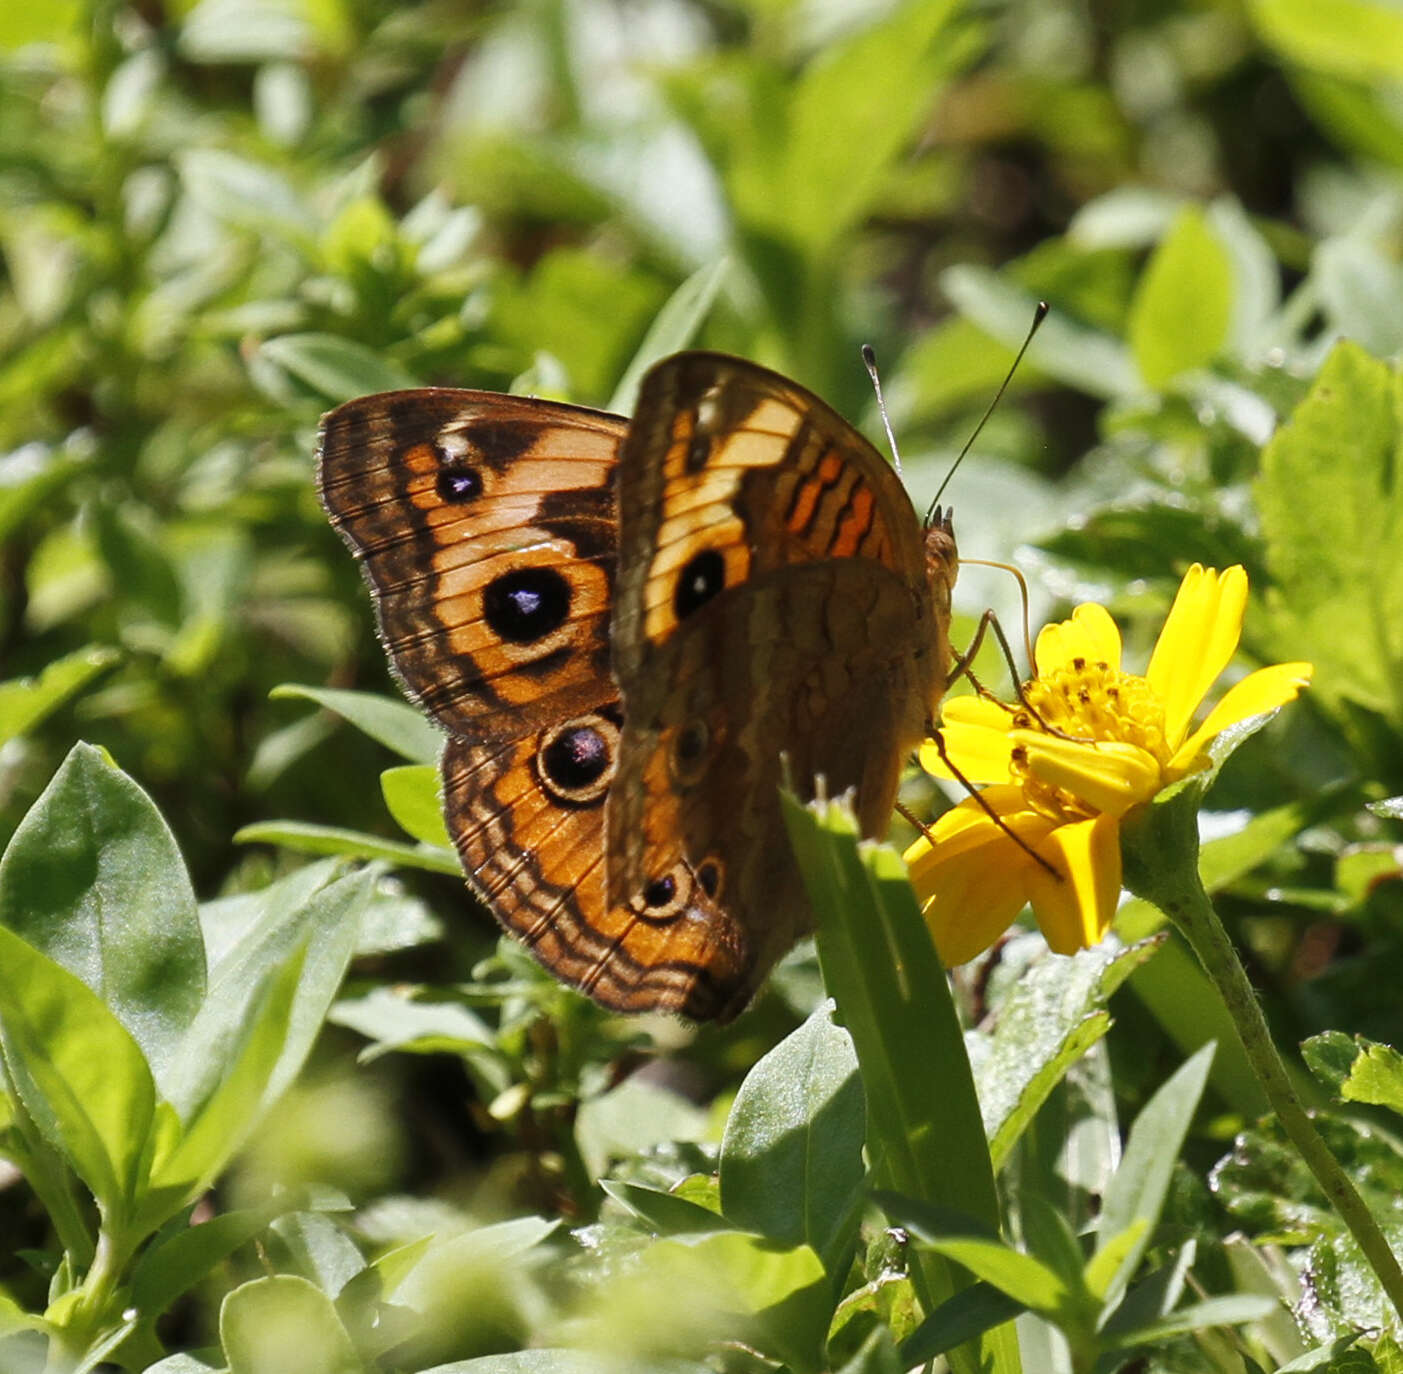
(336, 368)
(1358, 289)
(394, 724)
(673, 328)
(78, 1072)
(264, 1008)
(411, 794)
(1052, 1018)
(1362, 39)
(1226, 1311)
(1183, 306)
(24, 702)
(1332, 530)
(1135, 1196)
(329, 839)
(1375, 1074)
(93, 879)
(924, 1130)
(1082, 356)
(392, 1020)
(284, 1325)
(819, 148)
(665, 1213)
(791, 1157)
(175, 1263)
(970, 1313)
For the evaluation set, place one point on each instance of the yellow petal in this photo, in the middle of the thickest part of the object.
(961, 829)
(1109, 776)
(1076, 911)
(980, 753)
(1199, 638)
(1090, 635)
(976, 710)
(975, 893)
(1257, 693)
(971, 881)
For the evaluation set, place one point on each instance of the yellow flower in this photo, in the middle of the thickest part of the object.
(1121, 740)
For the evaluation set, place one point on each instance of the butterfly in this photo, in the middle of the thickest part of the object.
(623, 626)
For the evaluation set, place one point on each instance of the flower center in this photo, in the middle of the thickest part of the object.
(1091, 704)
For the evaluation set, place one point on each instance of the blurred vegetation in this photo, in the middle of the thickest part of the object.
(217, 219)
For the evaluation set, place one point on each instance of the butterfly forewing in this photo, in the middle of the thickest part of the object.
(773, 599)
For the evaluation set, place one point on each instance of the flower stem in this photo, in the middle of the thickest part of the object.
(1161, 866)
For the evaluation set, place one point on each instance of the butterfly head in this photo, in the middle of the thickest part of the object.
(942, 556)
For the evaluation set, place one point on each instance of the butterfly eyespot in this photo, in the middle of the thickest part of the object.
(526, 605)
(666, 897)
(689, 748)
(575, 761)
(700, 579)
(660, 891)
(457, 485)
(709, 877)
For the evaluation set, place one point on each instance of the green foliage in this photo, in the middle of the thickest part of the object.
(216, 219)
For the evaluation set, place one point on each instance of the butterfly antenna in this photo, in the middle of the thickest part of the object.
(869, 361)
(1039, 315)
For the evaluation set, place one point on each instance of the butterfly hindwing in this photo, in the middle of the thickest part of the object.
(485, 527)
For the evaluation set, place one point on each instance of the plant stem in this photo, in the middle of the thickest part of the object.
(1156, 870)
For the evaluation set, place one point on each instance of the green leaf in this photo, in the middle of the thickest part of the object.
(392, 1020)
(673, 328)
(924, 1131)
(336, 368)
(175, 1263)
(1054, 1015)
(779, 1292)
(1227, 1311)
(94, 879)
(329, 839)
(78, 1072)
(52, 23)
(392, 723)
(631, 1118)
(24, 702)
(1136, 1193)
(1082, 356)
(665, 1213)
(1028, 1281)
(266, 1003)
(970, 1313)
(820, 148)
(1375, 1076)
(1183, 307)
(284, 1325)
(1332, 532)
(791, 1157)
(1359, 290)
(411, 794)
(243, 194)
(1362, 39)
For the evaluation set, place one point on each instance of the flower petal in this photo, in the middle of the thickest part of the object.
(981, 752)
(975, 885)
(1257, 693)
(1109, 776)
(1090, 634)
(1199, 638)
(971, 879)
(960, 828)
(1076, 912)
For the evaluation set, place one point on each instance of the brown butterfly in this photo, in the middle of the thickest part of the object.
(622, 626)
